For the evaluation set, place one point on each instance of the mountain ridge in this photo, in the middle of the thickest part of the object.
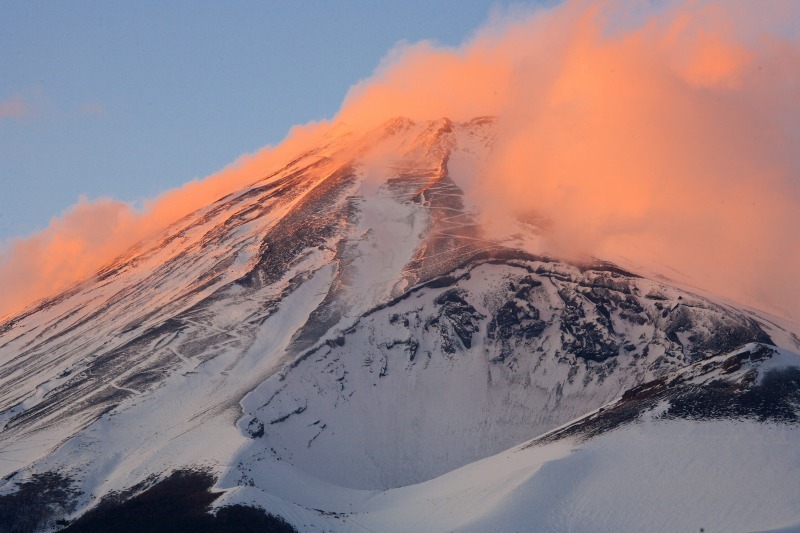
(344, 322)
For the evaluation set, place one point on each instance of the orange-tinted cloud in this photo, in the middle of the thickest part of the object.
(93, 233)
(13, 107)
(649, 131)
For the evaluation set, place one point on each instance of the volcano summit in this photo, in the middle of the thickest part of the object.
(344, 345)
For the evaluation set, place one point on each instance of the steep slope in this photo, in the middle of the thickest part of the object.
(342, 323)
(206, 286)
(474, 362)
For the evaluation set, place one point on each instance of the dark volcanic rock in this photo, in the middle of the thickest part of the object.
(512, 320)
(589, 336)
(180, 502)
(40, 503)
(721, 388)
(776, 398)
(456, 315)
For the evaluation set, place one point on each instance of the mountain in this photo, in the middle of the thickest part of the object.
(343, 345)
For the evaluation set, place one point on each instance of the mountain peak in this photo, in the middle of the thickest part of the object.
(347, 324)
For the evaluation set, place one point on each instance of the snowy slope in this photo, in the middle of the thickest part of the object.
(343, 333)
(654, 460)
(473, 363)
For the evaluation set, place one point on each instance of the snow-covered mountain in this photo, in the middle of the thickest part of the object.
(342, 344)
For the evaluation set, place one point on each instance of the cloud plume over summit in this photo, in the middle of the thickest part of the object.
(655, 132)
(658, 132)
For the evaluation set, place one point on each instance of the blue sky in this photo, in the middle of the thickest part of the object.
(128, 99)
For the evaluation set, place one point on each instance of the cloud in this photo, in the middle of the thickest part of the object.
(661, 132)
(646, 131)
(94, 232)
(13, 107)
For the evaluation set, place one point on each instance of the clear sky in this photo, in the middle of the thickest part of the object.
(128, 99)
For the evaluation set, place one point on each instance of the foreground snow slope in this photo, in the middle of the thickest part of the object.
(657, 459)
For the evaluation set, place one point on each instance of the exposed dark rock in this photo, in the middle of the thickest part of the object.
(411, 345)
(637, 319)
(776, 398)
(725, 334)
(287, 415)
(338, 341)
(461, 317)
(37, 504)
(773, 398)
(255, 428)
(395, 318)
(512, 320)
(585, 338)
(181, 502)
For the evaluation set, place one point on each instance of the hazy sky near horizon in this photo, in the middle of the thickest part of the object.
(127, 100)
